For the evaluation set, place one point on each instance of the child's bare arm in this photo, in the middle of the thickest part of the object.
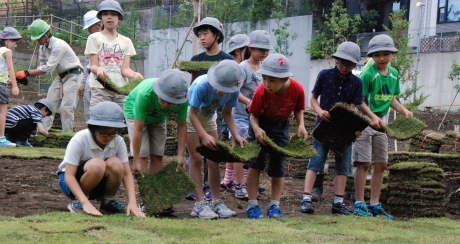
(72, 183)
(128, 182)
(42, 129)
(258, 132)
(12, 76)
(207, 140)
(323, 114)
(126, 71)
(400, 108)
(227, 114)
(300, 121)
(181, 139)
(96, 69)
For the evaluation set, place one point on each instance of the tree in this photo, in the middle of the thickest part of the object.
(338, 27)
(319, 9)
(403, 61)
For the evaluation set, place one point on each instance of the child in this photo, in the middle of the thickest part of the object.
(93, 25)
(146, 109)
(220, 87)
(380, 86)
(96, 162)
(210, 34)
(334, 85)
(271, 106)
(23, 120)
(9, 40)
(109, 54)
(56, 55)
(237, 47)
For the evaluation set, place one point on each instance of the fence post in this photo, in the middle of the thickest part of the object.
(71, 32)
(51, 26)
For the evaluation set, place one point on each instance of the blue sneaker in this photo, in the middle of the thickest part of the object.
(6, 143)
(190, 196)
(254, 213)
(274, 212)
(207, 195)
(23, 143)
(361, 209)
(112, 207)
(377, 211)
(75, 207)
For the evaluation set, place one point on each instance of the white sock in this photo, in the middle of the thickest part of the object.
(338, 199)
(307, 197)
(275, 202)
(252, 203)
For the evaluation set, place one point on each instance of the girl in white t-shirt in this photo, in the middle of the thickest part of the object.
(9, 39)
(109, 54)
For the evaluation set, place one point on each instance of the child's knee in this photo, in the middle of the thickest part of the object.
(114, 164)
(362, 166)
(95, 165)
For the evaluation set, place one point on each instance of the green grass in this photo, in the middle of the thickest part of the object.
(404, 128)
(194, 65)
(124, 90)
(296, 148)
(227, 153)
(81, 228)
(32, 152)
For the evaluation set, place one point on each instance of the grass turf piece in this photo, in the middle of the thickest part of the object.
(124, 90)
(427, 141)
(226, 153)
(448, 162)
(32, 152)
(296, 148)
(194, 65)
(339, 133)
(404, 128)
(52, 140)
(163, 189)
(411, 166)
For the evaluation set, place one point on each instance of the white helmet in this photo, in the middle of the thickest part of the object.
(90, 19)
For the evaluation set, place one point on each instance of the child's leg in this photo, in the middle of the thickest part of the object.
(228, 176)
(360, 180)
(22, 131)
(253, 183)
(114, 172)
(193, 141)
(3, 112)
(362, 156)
(377, 181)
(316, 164)
(277, 188)
(380, 159)
(157, 141)
(94, 171)
(214, 174)
(342, 169)
(239, 173)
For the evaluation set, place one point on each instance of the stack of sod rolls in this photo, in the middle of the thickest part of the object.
(416, 189)
(451, 143)
(447, 162)
(452, 184)
(427, 141)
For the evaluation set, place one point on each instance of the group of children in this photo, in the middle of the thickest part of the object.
(251, 91)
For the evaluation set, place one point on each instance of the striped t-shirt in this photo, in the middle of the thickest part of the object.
(23, 112)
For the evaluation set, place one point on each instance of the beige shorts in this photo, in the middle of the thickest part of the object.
(208, 123)
(153, 138)
(370, 147)
(101, 94)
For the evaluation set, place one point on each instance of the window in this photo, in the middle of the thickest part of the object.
(448, 11)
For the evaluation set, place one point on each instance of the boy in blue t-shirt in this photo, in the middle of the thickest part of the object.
(220, 87)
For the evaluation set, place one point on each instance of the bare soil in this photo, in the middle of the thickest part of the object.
(29, 186)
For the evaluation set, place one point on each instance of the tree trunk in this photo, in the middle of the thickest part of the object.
(196, 12)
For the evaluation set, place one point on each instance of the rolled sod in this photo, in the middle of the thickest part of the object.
(340, 131)
(124, 90)
(403, 128)
(194, 65)
(296, 148)
(163, 189)
(52, 140)
(226, 153)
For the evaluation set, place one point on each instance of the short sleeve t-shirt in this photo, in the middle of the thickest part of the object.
(251, 80)
(203, 97)
(378, 89)
(82, 148)
(142, 104)
(23, 112)
(205, 57)
(3, 66)
(332, 87)
(110, 53)
(278, 108)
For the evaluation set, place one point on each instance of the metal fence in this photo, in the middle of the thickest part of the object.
(440, 44)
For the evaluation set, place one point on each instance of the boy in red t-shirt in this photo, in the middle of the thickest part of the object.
(273, 103)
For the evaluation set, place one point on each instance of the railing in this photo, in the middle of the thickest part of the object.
(52, 18)
(440, 44)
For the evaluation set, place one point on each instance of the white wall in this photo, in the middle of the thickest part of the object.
(433, 68)
(166, 42)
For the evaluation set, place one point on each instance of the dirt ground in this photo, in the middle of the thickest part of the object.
(29, 187)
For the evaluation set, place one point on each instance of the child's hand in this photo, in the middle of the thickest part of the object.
(302, 131)
(81, 91)
(137, 166)
(138, 75)
(408, 113)
(324, 115)
(240, 140)
(15, 91)
(90, 209)
(181, 162)
(132, 208)
(358, 134)
(376, 122)
(259, 134)
(209, 142)
(100, 73)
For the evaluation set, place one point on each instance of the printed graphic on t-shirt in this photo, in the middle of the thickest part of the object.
(384, 94)
(211, 108)
(112, 57)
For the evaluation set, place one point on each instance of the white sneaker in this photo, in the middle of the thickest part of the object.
(202, 210)
(220, 209)
(142, 207)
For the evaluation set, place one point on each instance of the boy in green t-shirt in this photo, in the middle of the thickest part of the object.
(380, 86)
(146, 109)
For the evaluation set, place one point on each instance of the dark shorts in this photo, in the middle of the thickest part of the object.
(279, 133)
(4, 93)
(96, 193)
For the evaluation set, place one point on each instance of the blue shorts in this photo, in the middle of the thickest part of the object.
(242, 125)
(279, 133)
(342, 163)
(96, 193)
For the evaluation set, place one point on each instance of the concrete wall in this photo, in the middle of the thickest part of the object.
(166, 42)
(433, 68)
